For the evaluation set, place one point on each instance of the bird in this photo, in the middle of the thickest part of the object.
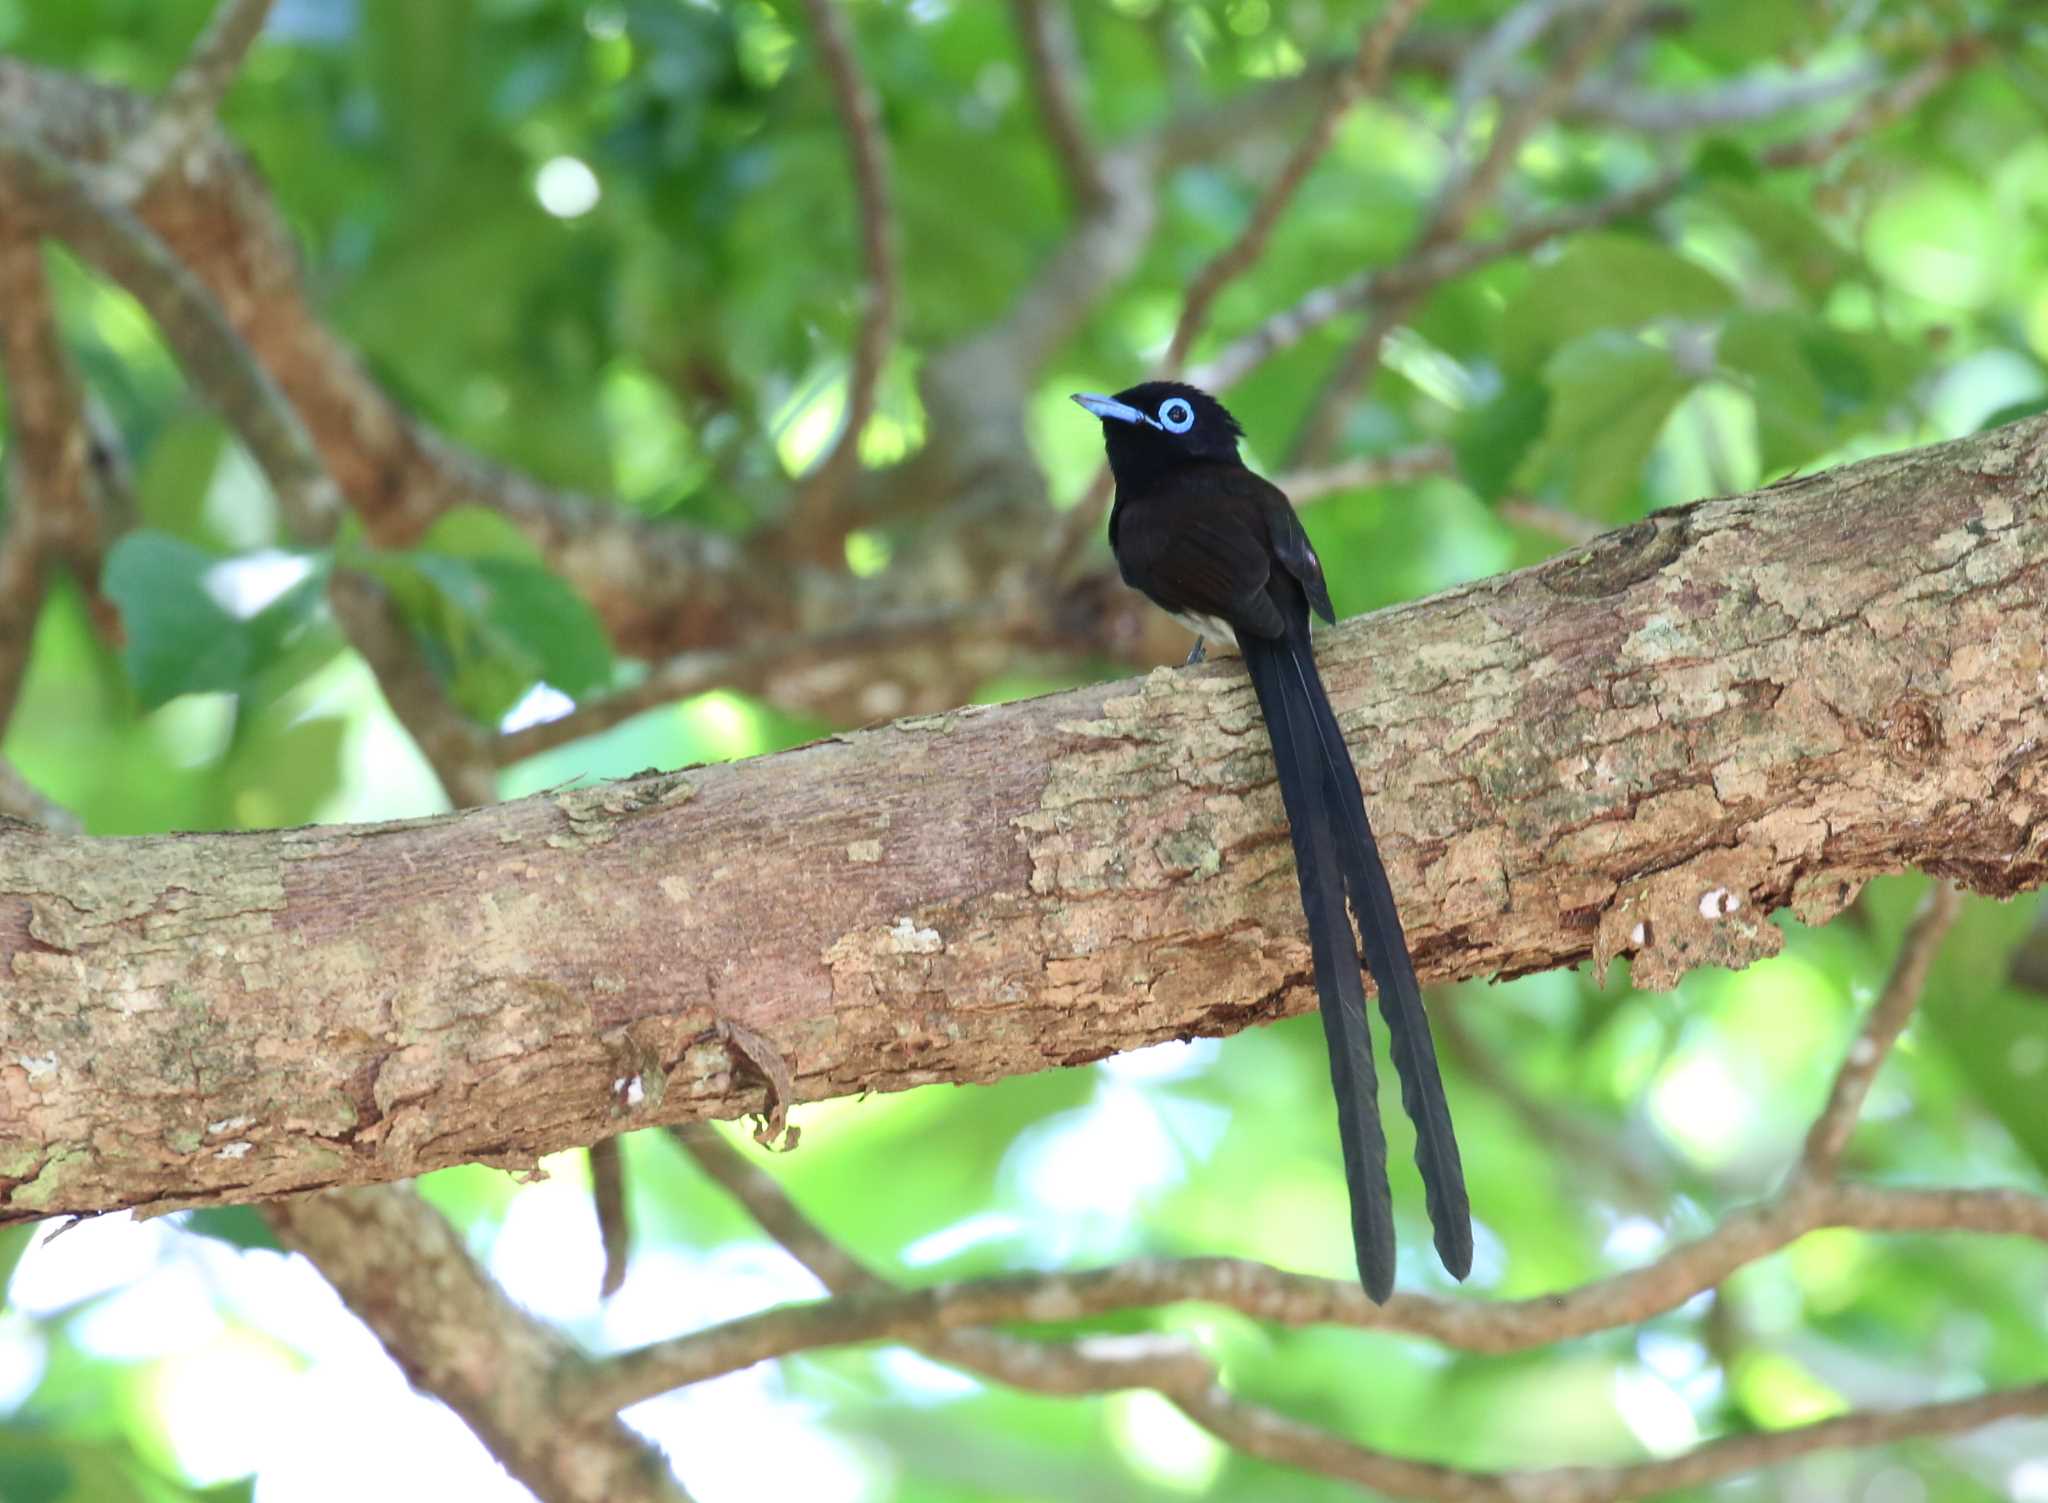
(1220, 548)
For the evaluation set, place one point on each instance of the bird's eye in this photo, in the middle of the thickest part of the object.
(1176, 415)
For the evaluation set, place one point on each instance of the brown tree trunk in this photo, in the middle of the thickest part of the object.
(1641, 748)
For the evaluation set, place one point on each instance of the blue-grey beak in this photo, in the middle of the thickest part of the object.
(1107, 408)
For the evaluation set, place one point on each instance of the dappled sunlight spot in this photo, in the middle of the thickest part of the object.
(382, 773)
(1161, 1444)
(917, 1379)
(280, 1294)
(1090, 1170)
(1937, 238)
(166, 1311)
(24, 1355)
(421, 1450)
(742, 1439)
(654, 457)
(723, 724)
(867, 553)
(1654, 1412)
(1832, 1266)
(547, 1255)
(245, 585)
(805, 424)
(1176, 1059)
(566, 187)
(194, 730)
(540, 704)
(222, 1407)
(949, 1242)
(1428, 369)
(67, 1262)
(1778, 1393)
(1671, 1357)
(1975, 387)
(1633, 1239)
(1699, 1106)
(668, 1292)
(2028, 1482)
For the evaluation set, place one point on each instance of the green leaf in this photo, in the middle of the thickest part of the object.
(1493, 439)
(495, 626)
(1605, 282)
(183, 637)
(1732, 32)
(539, 610)
(1767, 350)
(1610, 395)
(34, 1476)
(1862, 373)
(238, 1226)
(1788, 236)
(1720, 159)
(2012, 412)
(180, 639)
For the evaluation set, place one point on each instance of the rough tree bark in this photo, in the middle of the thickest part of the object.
(1642, 748)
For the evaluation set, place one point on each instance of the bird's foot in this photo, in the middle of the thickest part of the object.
(1197, 654)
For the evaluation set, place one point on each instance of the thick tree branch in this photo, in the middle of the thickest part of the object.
(46, 457)
(1639, 748)
(54, 198)
(399, 1265)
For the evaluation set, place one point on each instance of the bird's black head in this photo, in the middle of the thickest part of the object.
(1158, 426)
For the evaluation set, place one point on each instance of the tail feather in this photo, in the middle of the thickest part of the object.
(1291, 721)
(1386, 954)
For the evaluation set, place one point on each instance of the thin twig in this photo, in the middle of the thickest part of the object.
(1364, 472)
(1420, 274)
(1458, 202)
(1096, 1364)
(455, 747)
(866, 1308)
(875, 1312)
(614, 1226)
(20, 799)
(62, 200)
(1361, 80)
(1886, 1020)
(1575, 1140)
(744, 668)
(1274, 1437)
(190, 101)
(1568, 527)
(1047, 31)
(810, 525)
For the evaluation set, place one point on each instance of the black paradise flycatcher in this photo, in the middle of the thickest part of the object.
(1221, 549)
